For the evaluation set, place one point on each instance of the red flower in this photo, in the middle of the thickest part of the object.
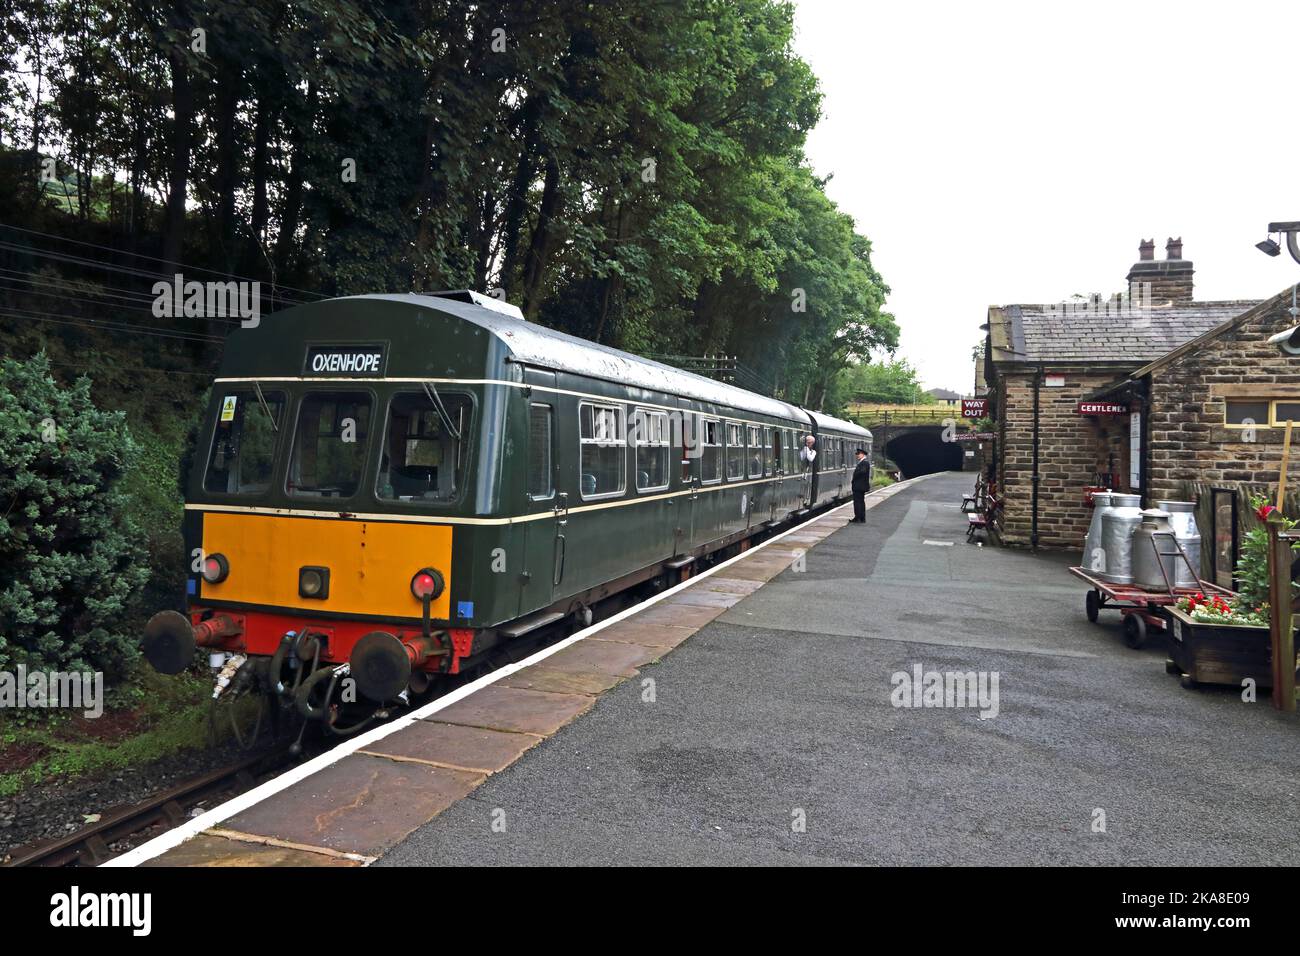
(1264, 511)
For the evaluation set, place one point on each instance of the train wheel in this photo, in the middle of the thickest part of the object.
(1092, 605)
(1135, 630)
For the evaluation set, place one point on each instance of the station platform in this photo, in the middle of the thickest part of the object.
(756, 715)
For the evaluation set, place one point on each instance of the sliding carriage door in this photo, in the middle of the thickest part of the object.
(545, 500)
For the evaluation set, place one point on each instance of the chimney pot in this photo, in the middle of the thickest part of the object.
(1174, 248)
(1147, 250)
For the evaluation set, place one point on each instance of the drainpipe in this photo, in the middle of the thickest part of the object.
(1033, 519)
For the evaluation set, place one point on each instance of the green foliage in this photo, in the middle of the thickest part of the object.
(1252, 565)
(631, 170)
(70, 557)
(891, 382)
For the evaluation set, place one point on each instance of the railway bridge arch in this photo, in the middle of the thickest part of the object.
(921, 448)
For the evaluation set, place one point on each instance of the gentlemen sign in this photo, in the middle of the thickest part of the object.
(344, 360)
(1103, 408)
(974, 407)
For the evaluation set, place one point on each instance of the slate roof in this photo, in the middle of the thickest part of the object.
(1045, 333)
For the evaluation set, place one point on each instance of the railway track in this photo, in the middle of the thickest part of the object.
(92, 845)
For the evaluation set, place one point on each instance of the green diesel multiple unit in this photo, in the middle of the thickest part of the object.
(399, 483)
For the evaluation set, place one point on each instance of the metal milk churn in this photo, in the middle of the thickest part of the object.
(1155, 559)
(1117, 524)
(1182, 516)
(1092, 551)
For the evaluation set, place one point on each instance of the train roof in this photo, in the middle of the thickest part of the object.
(532, 344)
(827, 422)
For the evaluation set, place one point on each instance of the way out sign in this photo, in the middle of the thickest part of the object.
(1103, 408)
(974, 407)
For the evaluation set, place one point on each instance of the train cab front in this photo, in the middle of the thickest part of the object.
(321, 567)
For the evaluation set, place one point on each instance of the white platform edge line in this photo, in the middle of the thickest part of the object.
(193, 827)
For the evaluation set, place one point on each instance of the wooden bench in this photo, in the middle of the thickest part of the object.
(979, 521)
(974, 503)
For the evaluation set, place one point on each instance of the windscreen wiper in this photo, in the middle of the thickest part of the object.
(275, 429)
(436, 399)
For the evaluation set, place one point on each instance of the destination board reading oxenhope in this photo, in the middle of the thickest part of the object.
(344, 360)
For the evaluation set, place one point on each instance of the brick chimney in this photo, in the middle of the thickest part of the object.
(1170, 279)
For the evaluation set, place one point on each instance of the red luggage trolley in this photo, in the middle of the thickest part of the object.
(1139, 606)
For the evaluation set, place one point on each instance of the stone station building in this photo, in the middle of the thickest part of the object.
(1149, 392)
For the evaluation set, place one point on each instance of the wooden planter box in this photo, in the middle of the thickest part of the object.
(1218, 653)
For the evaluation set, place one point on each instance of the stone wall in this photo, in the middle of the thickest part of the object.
(1072, 449)
(1189, 442)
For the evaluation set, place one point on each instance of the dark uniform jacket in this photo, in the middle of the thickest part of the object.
(862, 475)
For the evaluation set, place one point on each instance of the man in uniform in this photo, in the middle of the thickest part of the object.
(861, 485)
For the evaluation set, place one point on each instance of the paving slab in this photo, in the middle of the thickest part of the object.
(361, 804)
(475, 749)
(601, 657)
(679, 615)
(541, 678)
(706, 597)
(719, 582)
(634, 631)
(210, 850)
(515, 708)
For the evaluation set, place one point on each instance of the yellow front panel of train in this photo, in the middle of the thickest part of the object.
(371, 562)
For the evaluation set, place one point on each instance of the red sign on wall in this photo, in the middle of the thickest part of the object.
(974, 407)
(1103, 408)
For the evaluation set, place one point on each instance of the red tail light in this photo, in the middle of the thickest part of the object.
(215, 568)
(428, 582)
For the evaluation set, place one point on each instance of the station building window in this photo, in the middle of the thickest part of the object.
(243, 443)
(603, 462)
(541, 483)
(710, 451)
(1261, 412)
(653, 449)
(1245, 414)
(735, 451)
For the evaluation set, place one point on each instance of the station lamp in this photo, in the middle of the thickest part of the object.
(1271, 247)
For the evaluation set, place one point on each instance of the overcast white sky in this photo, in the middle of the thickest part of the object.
(1008, 151)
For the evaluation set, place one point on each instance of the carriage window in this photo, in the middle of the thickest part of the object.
(329, 445)
(603, 459)
(243, 448)
(710, 451)
(652, 449)
(735, 451)
(778, 449)
(425, 447)
(540, 483)
(755, 451)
